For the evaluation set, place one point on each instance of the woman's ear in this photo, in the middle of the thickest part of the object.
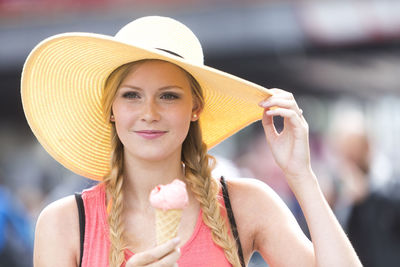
(196, 111)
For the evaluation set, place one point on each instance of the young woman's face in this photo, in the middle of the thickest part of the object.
(152, 110)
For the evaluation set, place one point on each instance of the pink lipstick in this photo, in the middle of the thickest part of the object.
(150, 134)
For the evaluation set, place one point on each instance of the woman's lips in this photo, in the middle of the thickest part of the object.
(150, 134)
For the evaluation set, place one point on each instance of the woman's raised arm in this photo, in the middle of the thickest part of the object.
(291, 152)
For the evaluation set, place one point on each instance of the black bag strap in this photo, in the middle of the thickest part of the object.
(81, 212)
(232, 219)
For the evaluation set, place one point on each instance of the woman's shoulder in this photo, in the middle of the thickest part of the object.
(254, 202)
(248, 190)
(252, 197)
(250, 200)
(57, 233)
(261, 215)
(60, 212)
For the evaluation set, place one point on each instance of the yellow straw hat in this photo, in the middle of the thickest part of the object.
(63, 78)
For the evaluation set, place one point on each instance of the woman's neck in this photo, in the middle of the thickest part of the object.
(141, 176)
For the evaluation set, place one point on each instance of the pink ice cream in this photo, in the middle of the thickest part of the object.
(170, 196)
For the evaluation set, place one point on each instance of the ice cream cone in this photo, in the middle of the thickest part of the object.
(168, 201)
(167, 224)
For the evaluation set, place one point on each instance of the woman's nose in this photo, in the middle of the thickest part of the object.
(150, 111)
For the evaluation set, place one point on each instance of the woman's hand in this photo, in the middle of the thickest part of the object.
(289, 147)
(164, 255)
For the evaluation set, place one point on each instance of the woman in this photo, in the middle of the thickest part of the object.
(145, 100)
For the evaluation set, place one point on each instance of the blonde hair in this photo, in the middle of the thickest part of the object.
(197, 172)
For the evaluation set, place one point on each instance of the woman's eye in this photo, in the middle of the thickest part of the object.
(130, 95)
(169, 96)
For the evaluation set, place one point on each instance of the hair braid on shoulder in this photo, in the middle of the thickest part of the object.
(114, 179)
(114, 183)
(206, 189)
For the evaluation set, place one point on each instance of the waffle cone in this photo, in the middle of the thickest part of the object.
(167, 224)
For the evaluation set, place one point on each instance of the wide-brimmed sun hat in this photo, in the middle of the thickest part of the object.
(64, 75)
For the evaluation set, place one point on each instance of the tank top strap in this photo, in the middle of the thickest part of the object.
(231, 217)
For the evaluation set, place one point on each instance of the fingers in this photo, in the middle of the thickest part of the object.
(292, 115)
(169, 260)
(281, 99)
(268, 123)
(163, 255)
(281, 103)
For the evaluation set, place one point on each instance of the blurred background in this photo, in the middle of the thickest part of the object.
(341, 59)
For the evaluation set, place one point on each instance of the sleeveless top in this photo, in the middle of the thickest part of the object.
(199, 250)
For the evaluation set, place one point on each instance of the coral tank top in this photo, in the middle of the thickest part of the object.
(198, 251)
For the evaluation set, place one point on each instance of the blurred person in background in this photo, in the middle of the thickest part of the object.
(351, 160)
(248, 160)
(370, 213)
(147, 118)
(16, 240)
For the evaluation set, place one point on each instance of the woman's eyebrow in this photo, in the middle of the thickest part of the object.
(170, 87)
(130, 86)
(161, 88)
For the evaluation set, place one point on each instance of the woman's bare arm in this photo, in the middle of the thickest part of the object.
(331, 245)
(57, 236)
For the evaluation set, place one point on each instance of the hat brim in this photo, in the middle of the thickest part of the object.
(61, 88)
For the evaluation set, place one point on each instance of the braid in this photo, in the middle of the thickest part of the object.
(114, 179)
(205, 189)
(114, 183)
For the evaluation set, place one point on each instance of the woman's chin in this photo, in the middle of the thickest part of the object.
(151, 154)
